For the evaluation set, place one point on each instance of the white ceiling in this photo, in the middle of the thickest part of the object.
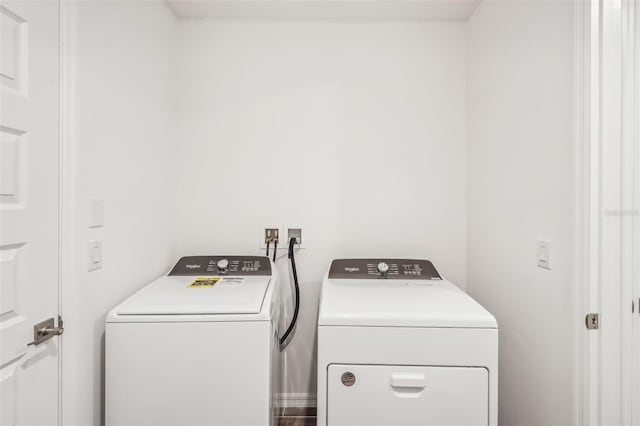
(449, 10)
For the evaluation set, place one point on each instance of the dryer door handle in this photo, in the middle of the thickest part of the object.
(415, 381)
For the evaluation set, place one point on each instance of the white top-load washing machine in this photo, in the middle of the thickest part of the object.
(198, 346)
(398, 346)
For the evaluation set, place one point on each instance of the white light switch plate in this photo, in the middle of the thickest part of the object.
(96, 213)
(94, 255)
(543, 254)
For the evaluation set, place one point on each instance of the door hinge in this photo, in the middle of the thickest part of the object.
(46, 329)
(592, 321)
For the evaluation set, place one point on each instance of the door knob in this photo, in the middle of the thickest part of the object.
(45, 330)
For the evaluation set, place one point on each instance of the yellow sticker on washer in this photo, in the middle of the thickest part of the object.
(204, 282)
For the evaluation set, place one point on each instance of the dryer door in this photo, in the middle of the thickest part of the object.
(370, 395)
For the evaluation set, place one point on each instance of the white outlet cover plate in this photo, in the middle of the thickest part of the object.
(96, 213)
(544, 260)
(94, 255)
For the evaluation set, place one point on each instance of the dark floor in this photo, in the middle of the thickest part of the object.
(297, 421)
(294, 416)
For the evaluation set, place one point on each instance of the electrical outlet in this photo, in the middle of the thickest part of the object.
(295, 233)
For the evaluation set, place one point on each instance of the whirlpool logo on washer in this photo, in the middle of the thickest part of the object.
(192, 266)
(352, 269)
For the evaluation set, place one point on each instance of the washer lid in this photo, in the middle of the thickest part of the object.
(400, 303)
(192, 295)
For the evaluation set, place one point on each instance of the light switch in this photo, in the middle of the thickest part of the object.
(96, 213)
(94, 255)
(543, 254)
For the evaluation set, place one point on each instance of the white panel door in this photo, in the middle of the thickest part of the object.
(615, 187)
(29, 150)
(384, 395)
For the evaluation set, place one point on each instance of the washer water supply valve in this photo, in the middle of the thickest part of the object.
(272, 235)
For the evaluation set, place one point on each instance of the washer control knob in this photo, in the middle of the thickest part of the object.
(383, 268)
(222, 265)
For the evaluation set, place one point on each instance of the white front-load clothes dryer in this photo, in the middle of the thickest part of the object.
(198, 346)
(400, 346)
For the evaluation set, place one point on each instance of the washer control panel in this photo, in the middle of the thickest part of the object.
(412, 269)
(222, 265)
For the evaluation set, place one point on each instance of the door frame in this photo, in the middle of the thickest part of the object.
(61, 198)
(585, 292)
(68, 167)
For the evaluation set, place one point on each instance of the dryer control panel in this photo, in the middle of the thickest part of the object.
(412, 269)
(222, 265)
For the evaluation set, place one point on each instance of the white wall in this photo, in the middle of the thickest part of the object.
(356, 131)
(520, 189)
(121, 136)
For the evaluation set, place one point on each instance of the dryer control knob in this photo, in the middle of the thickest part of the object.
(383, 268)
(222, 265)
